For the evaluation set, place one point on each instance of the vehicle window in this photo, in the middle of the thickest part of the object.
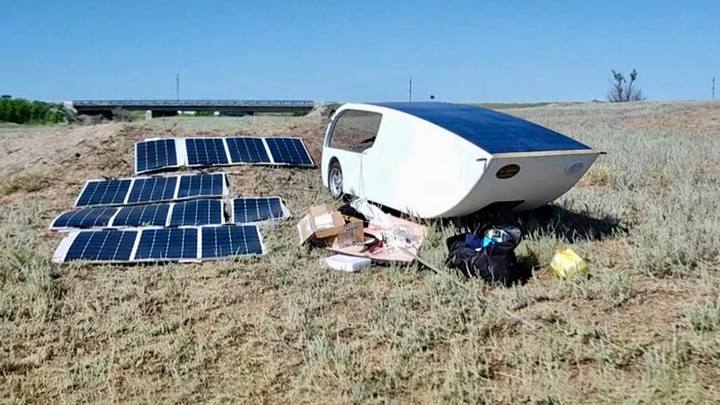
(355, 130)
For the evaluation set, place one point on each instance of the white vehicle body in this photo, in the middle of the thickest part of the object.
(444, 160)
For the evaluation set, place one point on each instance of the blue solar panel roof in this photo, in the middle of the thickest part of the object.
(493, 131)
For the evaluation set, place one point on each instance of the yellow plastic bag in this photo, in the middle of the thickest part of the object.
(567, 263)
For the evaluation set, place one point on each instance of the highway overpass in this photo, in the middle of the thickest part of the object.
(158, 108)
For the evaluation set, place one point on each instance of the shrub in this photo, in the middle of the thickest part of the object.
(25, 182)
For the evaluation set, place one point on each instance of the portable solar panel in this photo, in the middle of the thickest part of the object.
(155, 154)
(105, 246)
(202, 185)
(98, 217)
(141, 215)
(230, 240)
(247, 150)
(289, 151)
(247, 210)
(151, 244)
(167, 244)
(194, 212)
(103, 192)
(152, 189)
(197, 212)
(206, 151)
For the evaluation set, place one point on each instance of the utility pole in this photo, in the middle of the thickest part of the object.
(410, 91)
(713, 89)
(177, 86)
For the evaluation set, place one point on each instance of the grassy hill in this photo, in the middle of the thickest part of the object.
(643, 329)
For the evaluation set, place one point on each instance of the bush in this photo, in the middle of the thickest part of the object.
(22, 111)
(123, 115)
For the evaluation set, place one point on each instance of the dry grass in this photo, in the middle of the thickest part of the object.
(642, 329)
(26, 182)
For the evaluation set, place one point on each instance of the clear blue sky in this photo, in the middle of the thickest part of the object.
(508, 51)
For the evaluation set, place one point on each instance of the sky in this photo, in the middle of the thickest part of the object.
(485, 51)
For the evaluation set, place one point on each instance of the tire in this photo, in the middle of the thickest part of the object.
(335, 179)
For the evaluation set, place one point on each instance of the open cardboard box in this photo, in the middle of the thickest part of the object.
(325, 222)
(346, 235)
(387, 253)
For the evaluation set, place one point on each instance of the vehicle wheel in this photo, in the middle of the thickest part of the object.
(335, 179)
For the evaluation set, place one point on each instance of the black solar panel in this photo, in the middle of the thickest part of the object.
(202, 185)
(102, 246)
(197, 212)
(142, 215)
(230, 240)
(160, 244)
(103, 192)
(206, 151)
(152, 189)
(247, 150)
(167, 244)
(85, 218)
(289, 151)
(254, 209)
(155, 155)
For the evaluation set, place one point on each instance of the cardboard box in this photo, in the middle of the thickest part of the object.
(352, 233)
(415, 233)
(321, 221)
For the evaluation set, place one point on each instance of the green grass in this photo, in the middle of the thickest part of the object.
(641, 329)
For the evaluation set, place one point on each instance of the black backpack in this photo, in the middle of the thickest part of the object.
(495, 263)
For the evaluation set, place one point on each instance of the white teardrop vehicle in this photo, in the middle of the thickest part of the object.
(432, 160)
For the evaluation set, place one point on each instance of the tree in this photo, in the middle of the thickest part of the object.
(22, 111)
(622, 90)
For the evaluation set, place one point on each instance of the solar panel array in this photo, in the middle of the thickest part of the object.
(155, 154)
(143, 190)
(176, 218)
(193, 212)
(160, 244)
